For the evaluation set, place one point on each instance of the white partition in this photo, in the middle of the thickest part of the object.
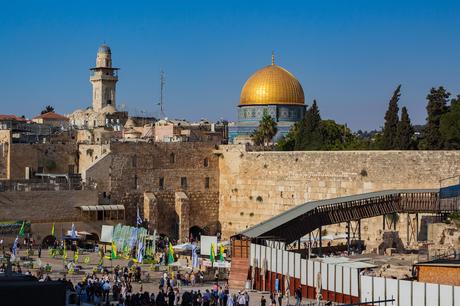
(268, 257)
(379, 288)
(331, 277)
(291, 264)
(310, 273)
(273, 268)
(258, 255)
(432, 294)
(339, 279)
(297, 265)
(324, 275)
(366, 288)
(391, 291)
(317, 267)
(405, 293)
(457, 296)
(346, 281)
(418, 294)
(279, 261)
(446, 297)
(303, 271)
(263, 257)
(252, 250)
(354, 275)
(285, 263)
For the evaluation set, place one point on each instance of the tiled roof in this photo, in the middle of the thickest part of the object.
(52, 116)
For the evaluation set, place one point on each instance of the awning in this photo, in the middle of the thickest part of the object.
(102, 207)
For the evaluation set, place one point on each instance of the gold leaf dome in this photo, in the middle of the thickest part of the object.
(272, 85)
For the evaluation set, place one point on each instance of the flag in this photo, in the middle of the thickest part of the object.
(212, 255)
(75, 256)
(64, 254)
(194, 257)
(52, 230)
(140, 249)
(21, 231)
(113, 254)
(15, 245)
(138, 218)
(221, 252)
(73, 232)
(171, 254)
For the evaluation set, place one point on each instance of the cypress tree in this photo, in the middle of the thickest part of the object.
(450, 126)
(308, 134)
(391, 122)
(436, 107)
(404, 131)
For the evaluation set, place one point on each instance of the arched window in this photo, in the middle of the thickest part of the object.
(172, 158)
(206, 162)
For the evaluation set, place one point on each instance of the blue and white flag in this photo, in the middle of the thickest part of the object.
(194, 257)
(140, 250)
(138, 218)
(15, 245)
(73, 232)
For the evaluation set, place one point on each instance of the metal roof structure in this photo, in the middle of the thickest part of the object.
(101, 207)
(305, 218)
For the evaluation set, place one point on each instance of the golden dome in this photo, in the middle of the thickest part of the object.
(272, 85)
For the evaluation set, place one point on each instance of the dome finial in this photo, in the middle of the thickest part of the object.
(273, 58)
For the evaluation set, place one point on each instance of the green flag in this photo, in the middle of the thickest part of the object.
(171, 254)
(212, 255)
(21, 231)
(52, 230)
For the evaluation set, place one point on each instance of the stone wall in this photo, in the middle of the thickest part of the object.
(255, 186)
(45, 206)
(56, 158)
(132, 170)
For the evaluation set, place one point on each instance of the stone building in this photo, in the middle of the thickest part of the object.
(103, 111)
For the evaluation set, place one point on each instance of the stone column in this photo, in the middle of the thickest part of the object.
(182, 205)
(151, 210)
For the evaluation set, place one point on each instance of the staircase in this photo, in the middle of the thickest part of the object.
(239, 273)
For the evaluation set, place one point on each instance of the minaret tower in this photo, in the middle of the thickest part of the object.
(104, 79)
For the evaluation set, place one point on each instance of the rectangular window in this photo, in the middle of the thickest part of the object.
(162, 183)
(206, 182)
(135, 182)
(183, 182)
(134, 161)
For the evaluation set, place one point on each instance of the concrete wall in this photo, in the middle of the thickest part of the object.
(255, 186)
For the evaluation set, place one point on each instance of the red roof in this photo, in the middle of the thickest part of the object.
(11, 117)
(52, 116)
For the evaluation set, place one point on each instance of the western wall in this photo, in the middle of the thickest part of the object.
(254, 186)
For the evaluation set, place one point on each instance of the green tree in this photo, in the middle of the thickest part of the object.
(266, 131)
(405, 132)
(47, 109)
(391, 121)
(308, 136)
(449, 126)
(436, 107)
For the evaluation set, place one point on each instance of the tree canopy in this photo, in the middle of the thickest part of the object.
(47, 109)
(266, 131)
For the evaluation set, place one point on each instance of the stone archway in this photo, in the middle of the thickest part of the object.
(195, 232)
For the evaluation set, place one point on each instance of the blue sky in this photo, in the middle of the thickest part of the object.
(349, 55)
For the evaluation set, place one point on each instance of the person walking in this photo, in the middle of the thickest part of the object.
(298, 296)
(263, 301)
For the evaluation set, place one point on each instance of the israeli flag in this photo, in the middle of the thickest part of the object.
(140, 250)
(194, 257)
(15, 245)
(138, 218)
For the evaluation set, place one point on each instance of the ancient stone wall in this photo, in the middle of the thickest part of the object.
(255, 186)
(45, 206)
(52, 158)
(134, 168)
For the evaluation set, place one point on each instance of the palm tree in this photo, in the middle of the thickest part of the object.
(266, 131)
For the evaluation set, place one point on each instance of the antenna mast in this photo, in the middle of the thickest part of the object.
(162, 85)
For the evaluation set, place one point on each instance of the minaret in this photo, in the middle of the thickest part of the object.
(104, 79)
